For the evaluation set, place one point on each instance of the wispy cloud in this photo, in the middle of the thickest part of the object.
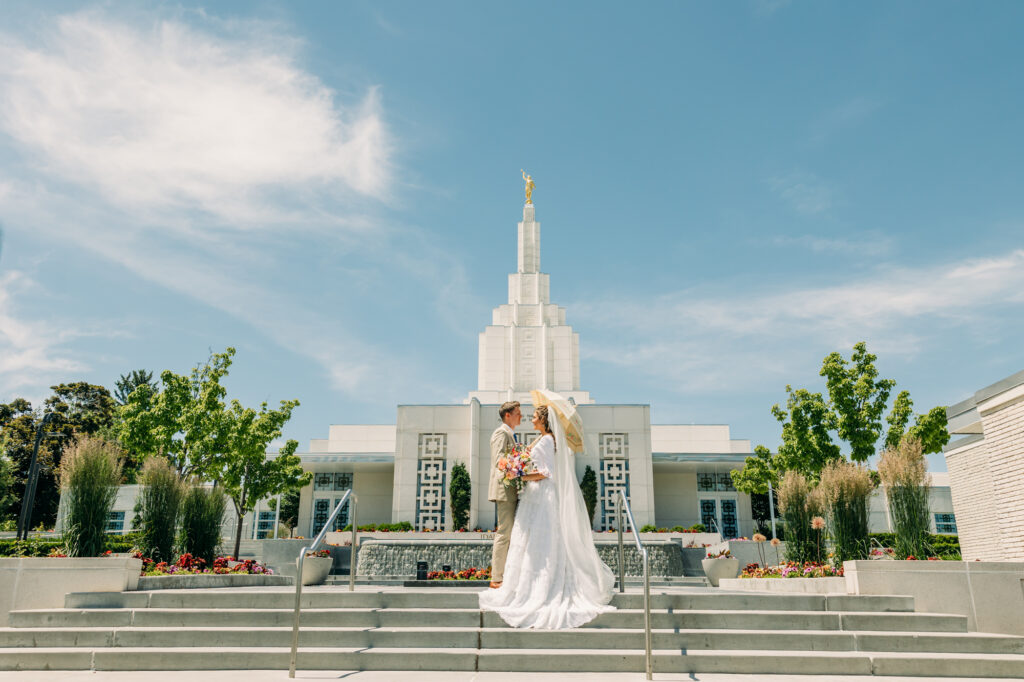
(805, 192)
(194, 156)
(871, 244)
(702, 342)
(167, 116)
(33, 351)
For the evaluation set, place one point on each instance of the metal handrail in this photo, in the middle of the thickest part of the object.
(620, 503)
(302, 558)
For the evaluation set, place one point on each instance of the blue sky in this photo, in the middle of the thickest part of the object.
(728, 192)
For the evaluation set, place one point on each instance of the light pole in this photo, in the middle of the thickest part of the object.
(28, 501)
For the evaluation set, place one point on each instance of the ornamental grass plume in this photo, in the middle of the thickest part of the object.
(202, 511)
(90, 472)
(845, 488)
(904, 473)
(798, 505)
(159, 506)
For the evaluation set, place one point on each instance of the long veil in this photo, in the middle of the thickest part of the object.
(594, 578)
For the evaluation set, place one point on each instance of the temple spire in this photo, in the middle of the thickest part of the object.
(528, 344)
(529, 242)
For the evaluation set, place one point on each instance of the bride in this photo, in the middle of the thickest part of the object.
(554, 578)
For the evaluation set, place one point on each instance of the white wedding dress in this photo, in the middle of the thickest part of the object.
(553, 577)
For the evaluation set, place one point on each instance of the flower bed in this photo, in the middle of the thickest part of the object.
(188, 564)
(464, 574)
(792, 569)
(695, 528)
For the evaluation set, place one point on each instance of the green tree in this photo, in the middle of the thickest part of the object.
(806, 447)
(460, 494)
(183, 421)
(79, 408)
(7, 496)
(128, 383)
(853, 413)
(588, 487)
(858, 399)
(929, 429)
(17, 432)
(246, 472)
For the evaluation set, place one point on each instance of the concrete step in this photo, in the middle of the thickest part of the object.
(270, 598)
(519, 660)
(504, 638)
(373, 616)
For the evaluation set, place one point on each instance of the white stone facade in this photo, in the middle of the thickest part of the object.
(986, 467)
(673, 475)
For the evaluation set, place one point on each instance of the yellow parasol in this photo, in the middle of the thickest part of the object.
(567, 415)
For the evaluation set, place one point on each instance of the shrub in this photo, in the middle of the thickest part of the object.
(385, 527)
(649, 528)
(460, 492)
(904, 472)
(588, 486)
(90, 472)
(845, 488)
(202, 511)
(159, 506)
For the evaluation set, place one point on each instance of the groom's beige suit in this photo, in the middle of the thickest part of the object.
(506, 498)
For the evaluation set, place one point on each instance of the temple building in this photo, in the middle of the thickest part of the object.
(673, 475)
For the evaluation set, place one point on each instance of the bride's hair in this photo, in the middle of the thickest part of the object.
(542, 412)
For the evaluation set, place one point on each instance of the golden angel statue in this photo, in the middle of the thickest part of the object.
(529, 186)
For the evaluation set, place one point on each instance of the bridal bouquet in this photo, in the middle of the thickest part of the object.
(513, 465)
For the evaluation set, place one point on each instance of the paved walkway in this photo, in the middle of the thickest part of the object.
(433, 676)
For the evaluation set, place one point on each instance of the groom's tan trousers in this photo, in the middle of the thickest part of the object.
(506, 517)
(506, 500)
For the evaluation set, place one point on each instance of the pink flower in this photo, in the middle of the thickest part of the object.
(818, 523)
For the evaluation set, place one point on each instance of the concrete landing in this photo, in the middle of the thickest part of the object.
(420, 676)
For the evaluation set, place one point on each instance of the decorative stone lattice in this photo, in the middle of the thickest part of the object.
(614, 454)
(431, 481)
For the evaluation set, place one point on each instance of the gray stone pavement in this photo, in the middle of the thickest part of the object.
(435, 676)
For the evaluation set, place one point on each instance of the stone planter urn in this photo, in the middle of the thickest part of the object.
(315, 569)
(717, 569)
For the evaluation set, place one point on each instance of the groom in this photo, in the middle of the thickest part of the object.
(506, 498)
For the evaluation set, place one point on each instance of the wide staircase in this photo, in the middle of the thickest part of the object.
(382, 628)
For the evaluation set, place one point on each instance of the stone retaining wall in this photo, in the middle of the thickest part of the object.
(399, 557)
(201, 580)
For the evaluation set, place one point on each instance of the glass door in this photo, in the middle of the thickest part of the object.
(328, 489)
(718, 513)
